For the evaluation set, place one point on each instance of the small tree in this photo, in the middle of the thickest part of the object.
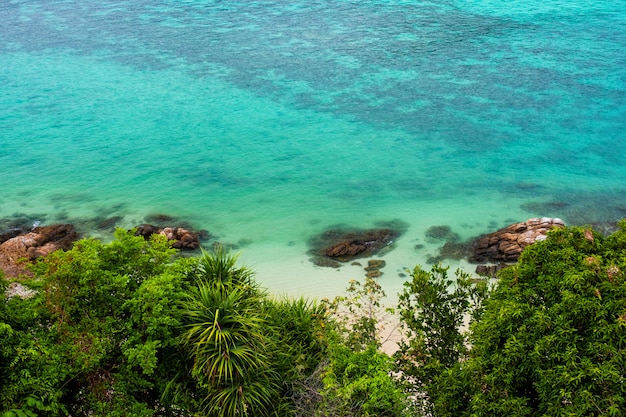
(434, 309)
(358, 378)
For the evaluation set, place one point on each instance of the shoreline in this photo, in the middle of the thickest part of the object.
(286, 268)
(293, 274)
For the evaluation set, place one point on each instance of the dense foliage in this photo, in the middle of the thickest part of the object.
(550, 340)
(100, 337)
(131, 328)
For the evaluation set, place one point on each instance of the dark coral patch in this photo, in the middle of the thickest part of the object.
(439, 233)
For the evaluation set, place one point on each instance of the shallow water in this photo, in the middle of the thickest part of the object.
(267, 122)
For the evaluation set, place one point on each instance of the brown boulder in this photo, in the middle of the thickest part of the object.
(183, 238)
(36, 243)
(347, 248)
(506, 245)
(363, 243)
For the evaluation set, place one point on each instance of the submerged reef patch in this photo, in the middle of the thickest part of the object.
(439, 233)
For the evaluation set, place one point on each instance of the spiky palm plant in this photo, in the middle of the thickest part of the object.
(219, 268)
(226, 340)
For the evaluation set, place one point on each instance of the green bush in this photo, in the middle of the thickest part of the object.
(552, 338)
(129, 328)
(297, 346)
(101, 336)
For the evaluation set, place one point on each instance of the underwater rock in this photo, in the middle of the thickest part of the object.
(439, 233)
(345, 246)
(489, 270)
(452, 250)
(12, 227)
(325, 262)
(159, 218)
(38, 242)
(375, 264)
(373, 268)
(375, 273)
(506, 244)
(109, 223)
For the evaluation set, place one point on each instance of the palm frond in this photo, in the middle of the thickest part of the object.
(226, 338)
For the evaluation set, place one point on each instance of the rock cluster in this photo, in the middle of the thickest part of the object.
(363, 243)
(182, 238)
(451, 250)
(344, 246)
(373, 268)
(38, 242)
(506, 244)
(20, 242)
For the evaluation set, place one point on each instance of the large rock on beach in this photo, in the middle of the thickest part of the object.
(506, 244)
(182, 238)
(344, 246)
(33, 244)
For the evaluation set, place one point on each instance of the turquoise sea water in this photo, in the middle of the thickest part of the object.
(266, 122)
